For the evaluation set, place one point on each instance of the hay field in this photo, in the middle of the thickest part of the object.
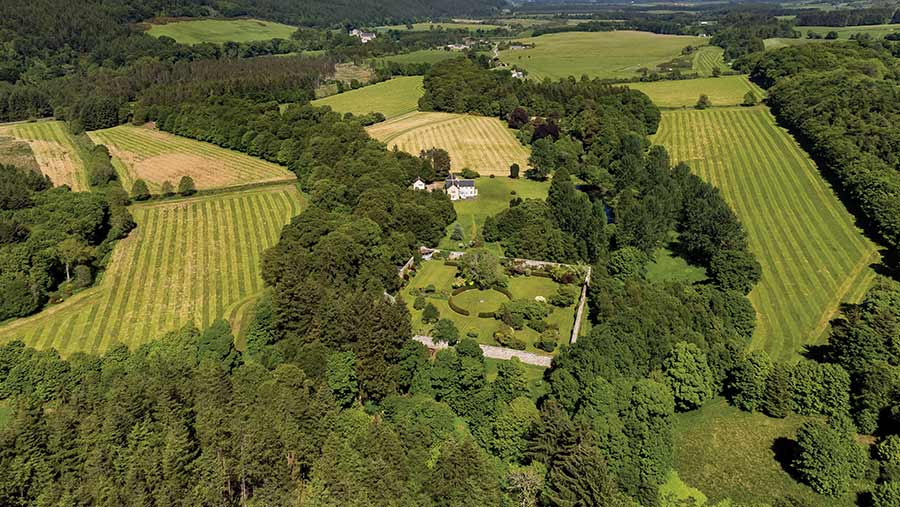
(722, 91)
(844, 32)
(156, 157)
(812, 255)
(189, 260)
(55, 151)
(219, 31)
(483, 144)
(707, 58)
(392, 98)
(618, 54)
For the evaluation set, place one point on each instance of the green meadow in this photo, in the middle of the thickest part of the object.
(844, 32)
(392, 98)
(812, 255)
(219, 31)
(722, 91)
(422, 56)
(618, 54)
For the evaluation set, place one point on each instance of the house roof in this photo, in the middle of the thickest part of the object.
(458, 182)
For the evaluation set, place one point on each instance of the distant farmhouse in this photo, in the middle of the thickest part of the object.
(518, 74)
(364, 37)
(458, 188)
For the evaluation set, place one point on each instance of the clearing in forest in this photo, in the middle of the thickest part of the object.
(422, 56)
(157, 157)
(188, 260)
(812, 255)
(55, 151)
(219, 31)
(390, 98)
(722, 91)
(483, 144)
(618, 54)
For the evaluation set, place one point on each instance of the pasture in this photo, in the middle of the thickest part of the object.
(483, 144)
(392, 98)
(441, 276)
(812, 255)
(157, 157)
(784, 42)
(844, 32)
(422, 56)
(219, 31)
(722, 91)
(54, 150)
(618, 54)
(188, 260)
(728, 453)
(494, 195)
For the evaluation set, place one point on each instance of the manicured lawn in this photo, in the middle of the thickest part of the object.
(618, 54)
(722, 91)
(812, 255)
(391, 98)
(480, 143)
(188, 260)
(727, 453)
(423, 56)
(219, 31)
(157, 157)
(441, 276)
(667, 266)
(494, 195)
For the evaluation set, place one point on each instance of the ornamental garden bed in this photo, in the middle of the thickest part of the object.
(434, 281)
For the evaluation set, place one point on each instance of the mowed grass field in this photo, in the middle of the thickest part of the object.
(55, 151)
(189, 260)
(392, 98)
(722, 91)
(617, 54)
(218, 31)
(157, 157)
(707, 58)
(483, 144)
(813, 257)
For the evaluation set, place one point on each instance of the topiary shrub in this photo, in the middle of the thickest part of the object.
(458, 309)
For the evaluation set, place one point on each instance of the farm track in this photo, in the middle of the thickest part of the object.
(480, 143)
(157, 157)
(812, 255)
(188, 260)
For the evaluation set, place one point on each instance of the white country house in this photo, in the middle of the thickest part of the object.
(419, 184)
(364, 37)
(458, 188)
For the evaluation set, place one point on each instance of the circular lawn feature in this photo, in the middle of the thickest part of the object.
(480, 301)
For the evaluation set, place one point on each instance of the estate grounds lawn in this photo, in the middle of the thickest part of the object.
(441, 276)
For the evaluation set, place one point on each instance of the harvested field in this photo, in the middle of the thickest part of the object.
(54, 150)
(189, 260)
(157, 157)
(483, 144)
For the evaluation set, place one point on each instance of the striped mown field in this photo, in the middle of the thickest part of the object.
(55, 151)
(707, 58)
(477, 142)
(189, 260)
(156, 157)
(390, 98)
(812, 255)
(722, 91)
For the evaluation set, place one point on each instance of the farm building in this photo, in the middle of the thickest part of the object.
(458, 188)
(419, 184)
